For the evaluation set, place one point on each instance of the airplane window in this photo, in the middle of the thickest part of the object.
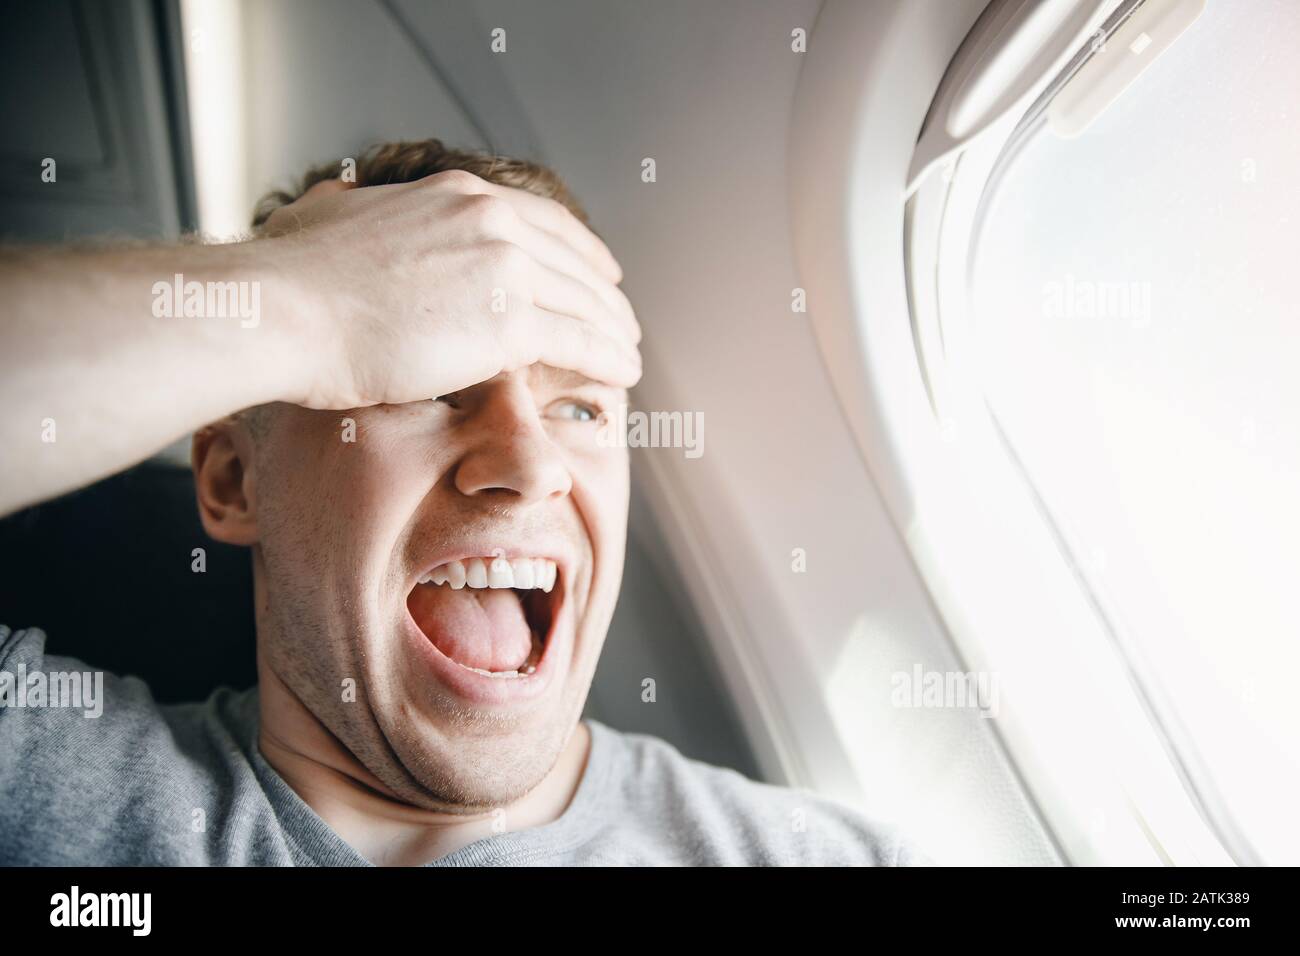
(1132, 293)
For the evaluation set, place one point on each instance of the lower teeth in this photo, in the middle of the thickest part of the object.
(524, 673)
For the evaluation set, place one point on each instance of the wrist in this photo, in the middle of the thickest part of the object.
(291, 338)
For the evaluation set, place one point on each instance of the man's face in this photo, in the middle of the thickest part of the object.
(511, 469)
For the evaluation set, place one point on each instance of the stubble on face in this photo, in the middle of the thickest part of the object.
(317, 633)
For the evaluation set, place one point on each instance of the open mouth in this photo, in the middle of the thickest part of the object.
(490, 615)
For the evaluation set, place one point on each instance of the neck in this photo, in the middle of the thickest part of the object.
(366, 814)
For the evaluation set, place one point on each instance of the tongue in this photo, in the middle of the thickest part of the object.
(477, 628)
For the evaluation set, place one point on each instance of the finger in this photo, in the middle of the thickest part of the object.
(559, 221)
(563, 341)
(560, 257)
(557, 291)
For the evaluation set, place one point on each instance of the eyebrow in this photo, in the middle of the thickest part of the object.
(564, 378)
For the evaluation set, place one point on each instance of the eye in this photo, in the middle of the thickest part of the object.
(570, 410)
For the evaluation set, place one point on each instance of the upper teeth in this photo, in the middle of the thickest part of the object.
(521, 573)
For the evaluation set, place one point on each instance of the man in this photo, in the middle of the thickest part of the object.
(406, 435)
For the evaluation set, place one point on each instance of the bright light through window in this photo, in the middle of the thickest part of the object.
(1135, 301)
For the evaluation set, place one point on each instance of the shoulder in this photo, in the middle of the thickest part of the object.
(94, 770)
(716, 816)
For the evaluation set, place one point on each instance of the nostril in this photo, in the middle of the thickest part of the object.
(512, 477)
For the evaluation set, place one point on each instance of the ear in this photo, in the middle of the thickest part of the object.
(290, 218)
(221, 456)
(326, 187)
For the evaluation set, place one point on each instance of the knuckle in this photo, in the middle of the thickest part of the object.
(456, 180)
(563, 211)
(490, 215)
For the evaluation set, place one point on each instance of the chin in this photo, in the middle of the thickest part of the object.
(473, 771)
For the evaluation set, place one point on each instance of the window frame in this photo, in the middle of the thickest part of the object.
(1073, 717)
(952, 315)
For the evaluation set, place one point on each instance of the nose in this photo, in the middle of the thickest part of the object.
(509, 453)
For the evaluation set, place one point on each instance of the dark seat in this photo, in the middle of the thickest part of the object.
(106, 573)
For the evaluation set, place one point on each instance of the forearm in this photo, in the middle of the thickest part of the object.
(102, 364)
(377, 295)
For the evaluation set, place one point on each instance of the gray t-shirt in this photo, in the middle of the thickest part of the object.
(145, 783)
